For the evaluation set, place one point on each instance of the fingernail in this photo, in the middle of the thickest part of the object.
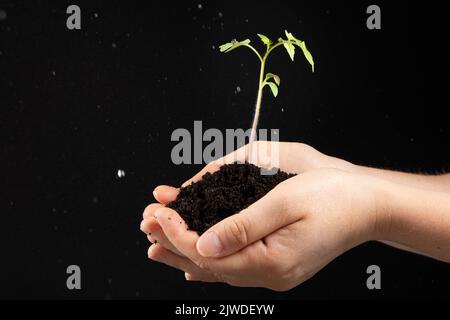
(209, 244)
(154, 192)
(141, 226)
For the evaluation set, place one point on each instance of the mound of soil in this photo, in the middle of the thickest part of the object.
(223, 193)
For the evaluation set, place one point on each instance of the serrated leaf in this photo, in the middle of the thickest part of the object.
(273, 87)
(265, 39)
(290, 49)
(307, 54)
(274, 77)
(227, 47)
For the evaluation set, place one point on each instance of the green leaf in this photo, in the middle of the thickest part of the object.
(227, 47)
(289, 48)
(265, 39)
(274, 76)
(290, 36)
(273, 88)
(307, 54)
(301, 44)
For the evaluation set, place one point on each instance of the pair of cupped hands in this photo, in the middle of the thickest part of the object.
(282, 239)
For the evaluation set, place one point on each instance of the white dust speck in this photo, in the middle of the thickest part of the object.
(3, 15)
(120, 174)
(282, 109)
(114, 45)
(53, 73)
(220, 14)
(238, 90)
(200, 69)
(246, 20)
(95, 15)
(213, 47)
(199, 6)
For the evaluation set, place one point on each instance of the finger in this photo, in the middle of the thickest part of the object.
(177, 233)
(150, 210)
(230, 235)
(165, 194)
(200, 277)
(156, 235)
(158, 253)
(185, 241)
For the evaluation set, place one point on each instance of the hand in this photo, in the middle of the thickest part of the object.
(282, 239)
(292, 157)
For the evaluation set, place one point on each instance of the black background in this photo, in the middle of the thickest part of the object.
(76, 106)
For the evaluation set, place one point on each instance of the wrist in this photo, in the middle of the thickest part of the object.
(395, 206)
(370, 209)
(379, 208)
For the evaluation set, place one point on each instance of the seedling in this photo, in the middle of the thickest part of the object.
(269, 79)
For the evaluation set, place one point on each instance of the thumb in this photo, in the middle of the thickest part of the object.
(242, 229)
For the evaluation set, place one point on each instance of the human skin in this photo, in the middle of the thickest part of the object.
(330, 207)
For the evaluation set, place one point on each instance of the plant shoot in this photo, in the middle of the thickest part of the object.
(270, 80)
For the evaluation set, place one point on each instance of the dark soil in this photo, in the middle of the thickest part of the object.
(223, 193)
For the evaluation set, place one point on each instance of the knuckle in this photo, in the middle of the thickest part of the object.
(221, 278)
(202, 263)
(237, 230)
